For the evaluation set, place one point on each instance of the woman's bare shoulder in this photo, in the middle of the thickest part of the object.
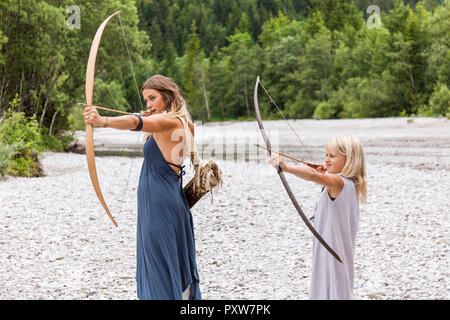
(179, 124)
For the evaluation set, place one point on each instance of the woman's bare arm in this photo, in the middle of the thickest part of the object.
(121, 122)
(154, 123)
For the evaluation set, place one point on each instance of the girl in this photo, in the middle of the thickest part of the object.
(337, 214)
(166, 263)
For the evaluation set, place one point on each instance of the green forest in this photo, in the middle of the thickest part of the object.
(327, 59)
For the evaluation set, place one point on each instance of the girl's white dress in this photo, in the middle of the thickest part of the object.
(337, 222)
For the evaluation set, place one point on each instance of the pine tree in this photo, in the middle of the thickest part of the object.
(195, 81)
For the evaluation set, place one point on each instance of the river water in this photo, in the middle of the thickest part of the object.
(416, 142)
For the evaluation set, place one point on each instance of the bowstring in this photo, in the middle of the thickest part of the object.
(140, 101)
(287, 121)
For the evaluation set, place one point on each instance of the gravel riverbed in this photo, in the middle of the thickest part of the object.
(57, 242)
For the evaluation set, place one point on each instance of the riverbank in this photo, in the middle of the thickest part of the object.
(58, 243)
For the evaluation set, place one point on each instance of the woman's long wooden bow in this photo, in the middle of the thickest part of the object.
(90, 154)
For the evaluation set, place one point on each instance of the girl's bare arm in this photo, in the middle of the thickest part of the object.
(331, 181)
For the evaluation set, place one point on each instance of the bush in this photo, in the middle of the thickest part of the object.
(439, 104)
(20, 144)
(7, 152)
(56, 144)
(325, 110)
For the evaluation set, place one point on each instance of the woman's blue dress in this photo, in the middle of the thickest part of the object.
(166, 263)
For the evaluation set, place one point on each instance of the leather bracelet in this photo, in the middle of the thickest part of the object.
(141, 122)
(106, 124)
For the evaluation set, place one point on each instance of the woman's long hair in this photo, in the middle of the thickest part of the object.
(173, 99)
(355, 166)
(175, 107)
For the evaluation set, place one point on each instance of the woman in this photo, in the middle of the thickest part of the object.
(166, 263)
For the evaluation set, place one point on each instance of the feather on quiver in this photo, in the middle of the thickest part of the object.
(207, 178)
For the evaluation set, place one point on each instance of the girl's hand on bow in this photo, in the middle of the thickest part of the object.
(276, 160)
(321, 168)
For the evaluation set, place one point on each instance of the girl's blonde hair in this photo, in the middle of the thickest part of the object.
(355, 166)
